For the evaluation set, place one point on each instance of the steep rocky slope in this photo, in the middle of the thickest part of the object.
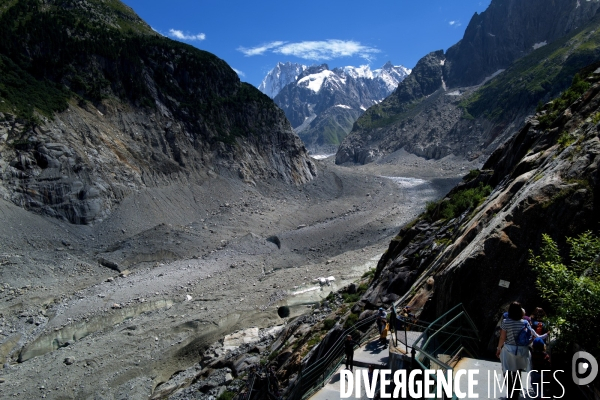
(96, 106)
(543, 180)
(440, 109)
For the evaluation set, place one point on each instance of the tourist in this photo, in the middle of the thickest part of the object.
(349, 344)
(513, 353)
(381, 319)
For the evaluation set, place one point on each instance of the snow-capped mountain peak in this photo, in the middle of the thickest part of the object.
(322, 103)
(278, 77)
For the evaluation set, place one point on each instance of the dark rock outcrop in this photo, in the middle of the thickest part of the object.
(134, 110)
(508, 30)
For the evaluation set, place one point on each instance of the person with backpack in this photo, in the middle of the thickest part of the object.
(513, 347)
(538, 318)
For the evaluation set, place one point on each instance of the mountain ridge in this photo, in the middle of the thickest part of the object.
(449, 126)
(322, 103)
(149, 107)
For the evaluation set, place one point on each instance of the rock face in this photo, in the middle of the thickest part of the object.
(540, 185)
(508, 30)
(444, 109)
(132, 110)
(279, 77)
(322, 104)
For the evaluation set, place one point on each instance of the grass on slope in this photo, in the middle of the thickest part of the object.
(93, 50)
(536, 77)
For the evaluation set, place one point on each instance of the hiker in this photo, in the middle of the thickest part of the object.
(381, 319)
(537, 321)
(407, 317)
(513, 347)
(349, 344)
(540, 361)
(384, 333)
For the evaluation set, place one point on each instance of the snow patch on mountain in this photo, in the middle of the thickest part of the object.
(285, 73)
(278, 77)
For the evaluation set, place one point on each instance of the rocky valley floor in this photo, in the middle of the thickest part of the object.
(115, 309)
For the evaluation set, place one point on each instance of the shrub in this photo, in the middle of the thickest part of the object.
(350, 298)
(313, 341)
(273, 355)
(369, 274)
(572, 289)
(474, 173)
(458, 203)
(328, 324)
(226, 395)
(565, 140)
(578, 87)
(350, 321)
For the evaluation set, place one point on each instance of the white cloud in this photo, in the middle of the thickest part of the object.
(237, 71)
(454, 23)
(259, 50)
(177, 34)
(315, 50)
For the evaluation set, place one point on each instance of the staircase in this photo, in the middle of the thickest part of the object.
(449, 343)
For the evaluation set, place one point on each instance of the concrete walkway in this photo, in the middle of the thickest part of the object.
(485, 378)
(331, 390)
(373, 352)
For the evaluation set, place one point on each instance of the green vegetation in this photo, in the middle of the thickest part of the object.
(273, 355)
(350, 321)
(572, 288)
(559, 105)
(20, 91)
(369, 274)
(354, 297)
(574, 186)
(565, 140)
(443, 241)
(537, 77)
(226, 395)
(101, 51)
(313, 341)
(474, 173)
(457, 203)
(328, 324)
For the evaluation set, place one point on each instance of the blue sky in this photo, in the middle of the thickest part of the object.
(253, 36)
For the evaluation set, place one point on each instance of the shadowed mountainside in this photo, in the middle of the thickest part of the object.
(95, 105)
(527, 52)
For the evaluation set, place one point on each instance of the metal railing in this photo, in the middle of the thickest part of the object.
(444, 342)
(439, 345)
(317, 374)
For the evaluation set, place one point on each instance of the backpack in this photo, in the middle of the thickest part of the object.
(524, 337)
